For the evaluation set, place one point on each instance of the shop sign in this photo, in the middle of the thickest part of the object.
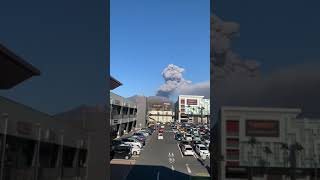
(262, 128)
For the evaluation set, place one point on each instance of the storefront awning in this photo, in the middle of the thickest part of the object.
(13, 69)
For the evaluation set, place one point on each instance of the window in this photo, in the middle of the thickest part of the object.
(233, 142)
(232, 154)
(68, 156)
(203, 148)
(48, 154)
(182, 101)
(232, 128)
(232, 163)
(82, 157)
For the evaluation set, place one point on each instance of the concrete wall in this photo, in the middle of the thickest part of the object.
(141, 102)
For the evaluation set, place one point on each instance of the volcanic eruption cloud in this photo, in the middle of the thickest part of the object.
(175, 83)
(238, 81)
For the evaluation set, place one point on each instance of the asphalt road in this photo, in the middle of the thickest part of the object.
(163, 160)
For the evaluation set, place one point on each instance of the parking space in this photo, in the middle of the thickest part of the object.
(163, 159)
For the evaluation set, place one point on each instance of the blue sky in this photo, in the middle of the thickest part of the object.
(66, 41)
(147, 35)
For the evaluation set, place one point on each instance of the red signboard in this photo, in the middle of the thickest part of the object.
(262, 128)
(192, 102)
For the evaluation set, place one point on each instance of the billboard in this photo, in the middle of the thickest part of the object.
(262, 128)
(192, 102)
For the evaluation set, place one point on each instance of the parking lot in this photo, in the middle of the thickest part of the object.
(160, 159)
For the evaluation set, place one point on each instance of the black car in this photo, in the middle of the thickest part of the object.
(205, 137)
(194, 143)
(115, 143)
(121, 152)
(178, 137)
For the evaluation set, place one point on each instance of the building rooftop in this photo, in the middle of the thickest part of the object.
(114, 83)
(14, 69)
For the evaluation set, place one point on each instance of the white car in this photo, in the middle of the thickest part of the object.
(162, 127)
(188, 137)
(135, 150)
(187, 150)
(160, 136)
(132, 141)
(202, 150)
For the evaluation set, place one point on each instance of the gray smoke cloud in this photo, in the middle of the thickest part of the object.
(173, 77)
(226, 62)
(175, 83)
(238, 81)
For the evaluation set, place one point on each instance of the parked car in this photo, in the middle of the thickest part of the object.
(160, 136)
(141, 139)
(115, 142)
(178, 137)
(205, 137)
(196, 138)
(161, 130)
(187, 150)
(183, 142)
(121, 152)
(140, 134)
(144, 132)
(162, 126)
(135, 150)
(194, 143)
(188, 137)
(132, 141)
(202, 150)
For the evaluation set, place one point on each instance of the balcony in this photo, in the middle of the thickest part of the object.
(116, 116)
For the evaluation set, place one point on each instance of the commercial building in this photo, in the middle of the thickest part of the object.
(32, 143)
(192, 109)
(141, 102)
(160, 110)
(123, 116)
(265, 143)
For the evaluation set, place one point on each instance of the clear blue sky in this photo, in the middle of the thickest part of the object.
(66, 41)
(147, 35)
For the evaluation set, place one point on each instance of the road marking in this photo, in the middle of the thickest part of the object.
(180, 150)
(172, 167)
(158, 176)
(188, 169)
(196, 155)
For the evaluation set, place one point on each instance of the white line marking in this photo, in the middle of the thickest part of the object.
(158, 176)
(172, 167)
(188, 168)
(194, 155)
(180, 150)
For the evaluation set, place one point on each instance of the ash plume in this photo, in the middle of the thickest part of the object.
(175, 84)
(173, 77)
(238, 82)
(226, 62)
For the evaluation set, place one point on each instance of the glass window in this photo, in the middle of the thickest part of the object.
(68, 156)
(232, 127)
(48, 154)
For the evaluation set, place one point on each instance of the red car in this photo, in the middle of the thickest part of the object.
(161, 130)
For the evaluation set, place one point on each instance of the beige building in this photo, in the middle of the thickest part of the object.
(265, 143)
(159, 110)
(192, 109)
